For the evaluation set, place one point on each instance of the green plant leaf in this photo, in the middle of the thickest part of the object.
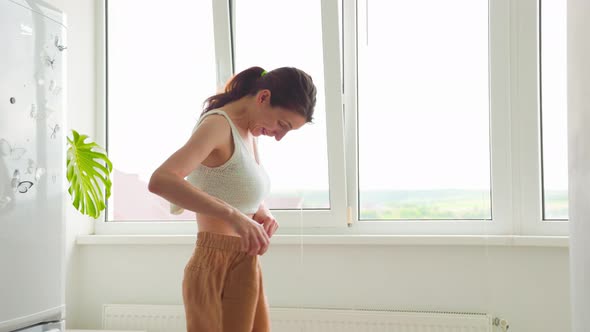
(88, 172)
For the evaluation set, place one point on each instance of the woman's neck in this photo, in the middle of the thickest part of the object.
(239, 112)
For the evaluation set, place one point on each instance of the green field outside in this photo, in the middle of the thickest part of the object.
(418, 204)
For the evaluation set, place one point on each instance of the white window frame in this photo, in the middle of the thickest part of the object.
(514, 104)
(527, 128)
(335, 217)
(290, 220)
(501, 187)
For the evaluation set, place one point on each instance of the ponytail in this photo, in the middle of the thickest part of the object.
(242, 84)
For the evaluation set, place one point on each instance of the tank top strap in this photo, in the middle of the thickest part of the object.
(238, 141)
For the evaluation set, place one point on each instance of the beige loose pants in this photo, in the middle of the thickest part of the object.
(222, 288)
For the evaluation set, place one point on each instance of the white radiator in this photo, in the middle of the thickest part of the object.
(170, 318)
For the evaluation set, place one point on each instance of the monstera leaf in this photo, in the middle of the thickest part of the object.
(87, 172)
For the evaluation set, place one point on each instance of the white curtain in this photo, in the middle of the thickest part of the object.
(579, 160)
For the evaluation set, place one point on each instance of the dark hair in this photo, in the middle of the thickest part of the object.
(290, 88)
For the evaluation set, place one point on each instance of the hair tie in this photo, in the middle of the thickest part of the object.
(263, 73)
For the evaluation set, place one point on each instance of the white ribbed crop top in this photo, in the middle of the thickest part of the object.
(240, 181)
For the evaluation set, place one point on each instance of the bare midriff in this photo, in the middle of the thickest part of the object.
(215, 225)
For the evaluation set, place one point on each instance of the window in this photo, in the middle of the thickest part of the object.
(307, 167)
(431, 118)
(195, 54)
(161, 67)
(423, 110)
(298, 164)
(553, 47)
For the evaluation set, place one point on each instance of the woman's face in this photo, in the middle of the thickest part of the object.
(275, 121)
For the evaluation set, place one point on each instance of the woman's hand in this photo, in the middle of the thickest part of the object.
(266, 219)
(254, 238)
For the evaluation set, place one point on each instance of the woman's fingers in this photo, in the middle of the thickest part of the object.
(258, 243)
(264, 241)
(268, 226)
(255, 237)
(275, 226)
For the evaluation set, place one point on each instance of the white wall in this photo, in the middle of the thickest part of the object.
(81, 101)
(528, 286)
(579, 159)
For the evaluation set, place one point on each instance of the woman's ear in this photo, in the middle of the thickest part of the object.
(263, 96)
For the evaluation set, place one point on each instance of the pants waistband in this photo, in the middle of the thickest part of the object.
(219, 241)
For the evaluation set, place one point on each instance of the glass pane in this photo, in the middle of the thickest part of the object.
(554, 108)
(298, 164)
(424, 110)
(161, 67)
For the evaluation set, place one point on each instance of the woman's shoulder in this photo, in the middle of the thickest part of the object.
(209, 134)
(215, 120)
(213, 128)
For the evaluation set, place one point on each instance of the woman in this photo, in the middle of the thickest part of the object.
(222, 284)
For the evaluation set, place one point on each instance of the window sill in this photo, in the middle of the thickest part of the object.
(366, 240)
